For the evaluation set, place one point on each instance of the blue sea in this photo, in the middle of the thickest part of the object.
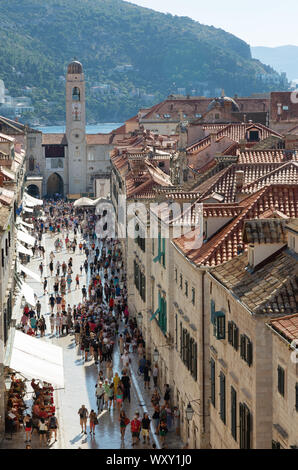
(102, 128)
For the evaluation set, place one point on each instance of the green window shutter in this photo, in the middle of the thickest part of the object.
(281, 380)
(159, 307)
(195, 366)
(212, 310)
(249, 353)
(242, 346)
(230, 332)
(234, 413)
(181, 341)
(222, 387)
(236, 338)
(165, 316)
(212, 377)
(163, 254)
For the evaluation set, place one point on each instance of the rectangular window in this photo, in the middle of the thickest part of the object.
(246, 351)
(176, 331)
(234, 413)
(2, 258)
(212, 377)
(245, 426)
(296, 396)
(281, 380)
(233, 335)
(6, 247)
(9, 239)
(181, 281)
(219, 329)
(186, 288)
(176, 275)
(193, 296)
(222, 392)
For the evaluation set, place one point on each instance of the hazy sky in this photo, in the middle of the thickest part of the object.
(258, 22)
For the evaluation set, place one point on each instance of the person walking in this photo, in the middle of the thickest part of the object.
(52, 323)
(124, 421)
(99, 396)
(77, 281)
(92, 422)
(155, 374)
(83, 412)
(42, 431)
(126, 386)
(38, 309)
(45, 284)
(28, 427)
(53, 426)
(135, 427)
(145, 428)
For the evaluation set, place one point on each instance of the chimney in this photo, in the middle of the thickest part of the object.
(213, 136)
(239, 180)
(242, 144)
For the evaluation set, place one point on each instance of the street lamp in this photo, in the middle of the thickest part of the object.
(155, 355)
(189, 412)
(139, 319)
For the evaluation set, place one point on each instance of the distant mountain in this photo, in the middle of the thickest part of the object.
(132, 56)
(282, 59)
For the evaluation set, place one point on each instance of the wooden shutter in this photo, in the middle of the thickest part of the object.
(181, 341)
(212, 311)
(281, 380)
(230, 332)
(236, 338)
(163, 251)
(212, 376)
(249, 353)
(195, 361)
(234, 413)
(222, 388)
(242, 346)
(165, 316)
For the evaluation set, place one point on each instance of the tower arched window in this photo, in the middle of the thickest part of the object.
(76, 95)
(31, 164)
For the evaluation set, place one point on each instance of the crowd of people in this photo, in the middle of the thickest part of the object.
(100, 321)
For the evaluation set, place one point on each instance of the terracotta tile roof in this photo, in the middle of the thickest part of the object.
(224, 245)
(286, 326)
(269, 290)
(54, 139)
(292, 225)
(6, 138)
(265, 231)
(98, 139)
(287, 173)
(255, 176)
(265, 156)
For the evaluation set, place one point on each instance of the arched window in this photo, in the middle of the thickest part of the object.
(31, 164)
(76, 95)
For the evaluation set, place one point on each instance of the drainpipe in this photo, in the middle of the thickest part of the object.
(203, 350)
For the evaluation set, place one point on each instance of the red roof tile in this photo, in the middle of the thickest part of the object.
(223, 246)
(286, 326)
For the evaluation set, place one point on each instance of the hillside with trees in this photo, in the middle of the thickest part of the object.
(132, 56)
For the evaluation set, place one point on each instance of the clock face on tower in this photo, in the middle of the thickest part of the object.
(77, 136)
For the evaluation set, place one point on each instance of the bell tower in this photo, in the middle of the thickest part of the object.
(76, 128)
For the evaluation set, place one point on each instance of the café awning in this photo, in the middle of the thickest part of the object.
(20, 221)
(35, 358)
(28, 293)
(32, 201)
(25, 238)
(83, 202)
(29, 272)
(27, 209)
(24, 250)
